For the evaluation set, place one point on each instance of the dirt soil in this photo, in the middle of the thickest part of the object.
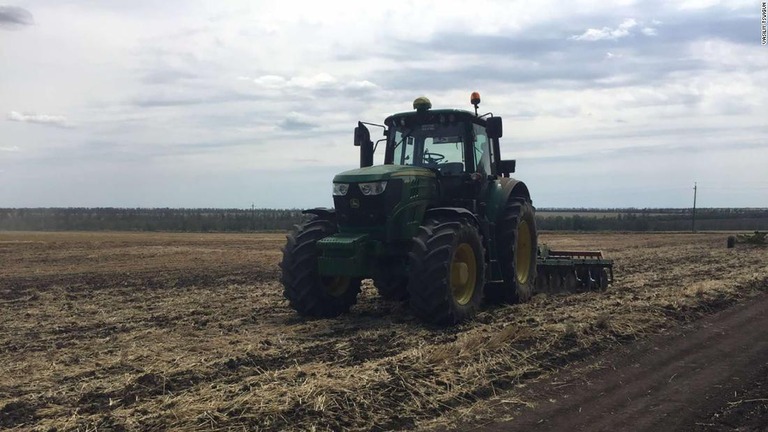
(710, 375)
(141, 331)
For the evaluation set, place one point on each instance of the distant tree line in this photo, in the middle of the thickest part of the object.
(711, 211)
(243, 220)
(144, 219)
(654, 219)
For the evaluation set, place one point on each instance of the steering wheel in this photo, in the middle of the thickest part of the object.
(432, 158)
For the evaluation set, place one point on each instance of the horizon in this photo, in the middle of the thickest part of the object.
(537, 209)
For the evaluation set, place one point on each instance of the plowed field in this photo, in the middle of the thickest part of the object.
(119, 331)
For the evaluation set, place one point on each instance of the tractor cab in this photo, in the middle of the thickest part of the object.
(454, 144)
(444, 142)
(450, 142)
(460, 147)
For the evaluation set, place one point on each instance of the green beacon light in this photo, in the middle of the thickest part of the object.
(422, 104)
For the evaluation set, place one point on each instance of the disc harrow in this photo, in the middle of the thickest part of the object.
(564, 271)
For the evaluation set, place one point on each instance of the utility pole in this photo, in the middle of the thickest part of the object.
(693, 219)
(253, 216)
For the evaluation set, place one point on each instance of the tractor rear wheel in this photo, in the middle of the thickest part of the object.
(308, 292)
(516, 243)
(447, 271)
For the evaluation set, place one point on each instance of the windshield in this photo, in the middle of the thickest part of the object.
(437, 146)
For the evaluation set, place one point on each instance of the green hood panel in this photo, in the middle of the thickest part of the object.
(381, 172)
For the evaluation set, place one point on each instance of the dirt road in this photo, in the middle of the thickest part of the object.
(707, 376)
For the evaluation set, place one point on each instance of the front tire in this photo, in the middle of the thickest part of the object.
(447, 272)
(309, 293)
(517, 247)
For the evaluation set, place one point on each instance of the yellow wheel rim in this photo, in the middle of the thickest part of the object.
(463, 274)
(335, 285)
(523, 253)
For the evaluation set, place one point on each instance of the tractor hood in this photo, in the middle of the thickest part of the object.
(381, 172)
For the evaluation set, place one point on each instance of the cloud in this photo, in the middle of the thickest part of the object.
(535, 58)
(322, 82)
(44, 119)
(296, 122)
(155, 100)
(13, 17)
(607, 33)
(461, 77)
(270, 81)
(649, 31)
(9, 149)
(167, 76)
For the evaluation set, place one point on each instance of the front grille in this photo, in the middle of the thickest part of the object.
(371, 210)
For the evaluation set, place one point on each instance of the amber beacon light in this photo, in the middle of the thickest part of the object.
(474, 99)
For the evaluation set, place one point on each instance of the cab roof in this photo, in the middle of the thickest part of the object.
(460, 115)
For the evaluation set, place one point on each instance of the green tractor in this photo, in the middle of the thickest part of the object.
(441, 223)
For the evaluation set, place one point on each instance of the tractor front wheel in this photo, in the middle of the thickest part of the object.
(447, 271)
(308, 292)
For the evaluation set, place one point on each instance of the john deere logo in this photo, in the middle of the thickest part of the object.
(354, 203)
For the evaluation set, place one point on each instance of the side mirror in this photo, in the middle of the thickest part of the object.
(362, 134)
(363, 140)
(493, 127)
(507, 167)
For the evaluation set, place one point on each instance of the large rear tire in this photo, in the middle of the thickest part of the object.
(447, 271)
(309, 293)
(516, 247)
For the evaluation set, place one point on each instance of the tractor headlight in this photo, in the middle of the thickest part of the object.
(340, 189)
(374, 188)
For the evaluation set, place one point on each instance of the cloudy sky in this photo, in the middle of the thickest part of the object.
(225, 104)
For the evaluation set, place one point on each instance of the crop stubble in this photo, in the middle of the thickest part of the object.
(129, 331)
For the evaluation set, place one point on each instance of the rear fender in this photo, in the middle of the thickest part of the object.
(501, 192)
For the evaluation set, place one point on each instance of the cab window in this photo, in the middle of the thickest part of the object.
(482, 148)
(404, 148)
(435, 146)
